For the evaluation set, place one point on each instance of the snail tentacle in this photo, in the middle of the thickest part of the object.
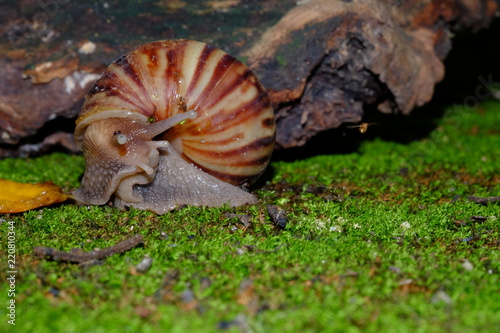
(146, 168)
(162, 126)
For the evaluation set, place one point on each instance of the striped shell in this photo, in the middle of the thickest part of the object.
(229, 135)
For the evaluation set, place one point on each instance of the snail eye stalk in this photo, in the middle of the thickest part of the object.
(120, 138)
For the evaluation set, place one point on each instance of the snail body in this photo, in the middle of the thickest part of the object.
(172, 123)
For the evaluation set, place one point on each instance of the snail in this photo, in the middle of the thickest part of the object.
(171, 123)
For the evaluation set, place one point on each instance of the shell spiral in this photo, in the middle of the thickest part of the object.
(231, 138)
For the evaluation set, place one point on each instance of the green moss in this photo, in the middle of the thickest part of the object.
(281, 60)
(379, 240)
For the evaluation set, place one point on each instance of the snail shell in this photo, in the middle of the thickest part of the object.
(174, 122)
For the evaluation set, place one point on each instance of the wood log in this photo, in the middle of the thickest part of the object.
(323, 61)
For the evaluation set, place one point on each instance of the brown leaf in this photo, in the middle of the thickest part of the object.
(18, 197)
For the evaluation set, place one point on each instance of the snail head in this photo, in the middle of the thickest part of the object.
(119, 154)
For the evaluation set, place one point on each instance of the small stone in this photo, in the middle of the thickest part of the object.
(187, 296)
(144, 265)
(87, 48)
(405, 281)
(467, 265)
(394, 269)
(405, 225)
(336, 228)
(278, 216)
(441, 296)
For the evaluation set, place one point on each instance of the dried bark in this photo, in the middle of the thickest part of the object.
(323, 61)
(326, 60)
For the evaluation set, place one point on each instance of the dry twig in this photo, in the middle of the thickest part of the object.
(481, 200)
(79, 257)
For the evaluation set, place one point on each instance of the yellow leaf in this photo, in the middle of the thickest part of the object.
(18, 197)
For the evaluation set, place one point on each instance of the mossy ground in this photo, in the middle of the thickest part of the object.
(381, 238)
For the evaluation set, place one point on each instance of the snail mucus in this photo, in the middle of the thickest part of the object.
(172, 123)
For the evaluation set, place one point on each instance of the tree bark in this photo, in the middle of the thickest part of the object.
(322, 61)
